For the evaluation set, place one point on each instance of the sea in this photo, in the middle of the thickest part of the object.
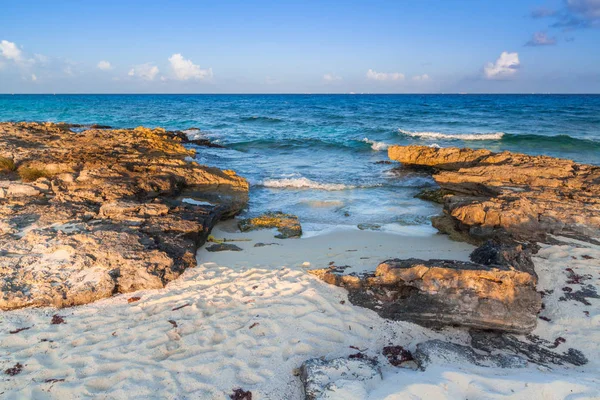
(323, 157)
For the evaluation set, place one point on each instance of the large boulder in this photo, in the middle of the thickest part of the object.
(435, 293)
(495, 194)
(339, 378)
(91, 213)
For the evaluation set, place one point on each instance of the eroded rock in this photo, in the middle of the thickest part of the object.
(524, 196)
(435, 293)
(288, 225)
(223, 247)
(346, 378)
(105, 215)
(440, 352)
(535, 350)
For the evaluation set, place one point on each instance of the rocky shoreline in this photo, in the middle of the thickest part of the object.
(505, 203)
(87, 214)
(90, 212)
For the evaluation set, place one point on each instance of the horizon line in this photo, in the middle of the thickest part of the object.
(303, 94)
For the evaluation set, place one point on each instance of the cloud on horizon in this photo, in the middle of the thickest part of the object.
(506, 66)
(10, 51)
(184, 69)
(541, 39)
(421, 78)
(384, 76)
(331, 78)
(145, 71)
(104, 65)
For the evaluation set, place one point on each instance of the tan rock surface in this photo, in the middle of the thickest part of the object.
(443, 292)
(525, 196)
(85, 215)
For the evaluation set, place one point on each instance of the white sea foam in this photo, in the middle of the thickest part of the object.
(197, 202)
(455, 136)
(377, 146)
(194, 134)
(303, 183)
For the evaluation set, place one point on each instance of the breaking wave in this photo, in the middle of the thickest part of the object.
(457, 136)
(303, 183)
(377, 146)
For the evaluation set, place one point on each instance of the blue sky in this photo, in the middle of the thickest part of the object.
(411, 46)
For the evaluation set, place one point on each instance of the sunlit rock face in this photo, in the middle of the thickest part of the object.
(88, 214)
(494, 194)
(436, 293)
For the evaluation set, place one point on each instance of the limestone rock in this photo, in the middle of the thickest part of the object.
(535, 349)
(340, 378)
(435, 293)
(223, 247)
(287, 224)
(524, 196)
(440, 352)
(106, 216)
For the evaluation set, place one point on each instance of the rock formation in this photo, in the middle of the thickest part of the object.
(496, 194)
(287, 224)
(340, 378)
(435, 293)
(87, 214)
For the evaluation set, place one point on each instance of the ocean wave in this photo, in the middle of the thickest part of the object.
(261, 119)
(295, 143)
(303, 183)
(558, 141)
(377, 146)
(452, 136)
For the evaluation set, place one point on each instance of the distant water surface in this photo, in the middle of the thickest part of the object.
(320, 156)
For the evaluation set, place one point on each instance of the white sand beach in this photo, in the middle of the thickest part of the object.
(248, 319)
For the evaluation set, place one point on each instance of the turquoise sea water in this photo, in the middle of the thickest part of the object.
(317, 155)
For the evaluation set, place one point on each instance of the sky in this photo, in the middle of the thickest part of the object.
(401, 46)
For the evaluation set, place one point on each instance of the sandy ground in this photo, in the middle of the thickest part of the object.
(247, 319)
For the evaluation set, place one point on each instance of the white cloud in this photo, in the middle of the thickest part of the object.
(421, 78)
(186, 69)
(144, 71)
(384, 76)
(541, 39)
(331, 78)
(33, 77)
(104, 65)
(505, 66)
(10, 51)
(42, 59)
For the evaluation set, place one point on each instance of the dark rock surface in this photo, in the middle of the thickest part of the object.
(223, 247)
(536, 351)
(440, 352)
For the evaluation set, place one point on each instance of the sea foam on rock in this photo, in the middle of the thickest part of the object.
(104, 214)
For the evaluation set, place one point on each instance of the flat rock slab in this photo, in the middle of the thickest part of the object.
(446, 353)
(223, 247)
(85, 215)
(288, 225)
(494, 194)
(535, 350)
(436, 293)
(340, 378)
